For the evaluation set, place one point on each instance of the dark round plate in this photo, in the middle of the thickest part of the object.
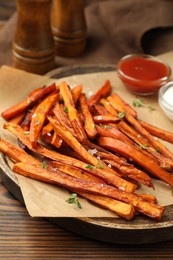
(140, 230)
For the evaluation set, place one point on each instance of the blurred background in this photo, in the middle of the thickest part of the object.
(114, 28)
(7, 8)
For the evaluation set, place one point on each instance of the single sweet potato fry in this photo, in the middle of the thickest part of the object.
(148, 197)
(99, 109)
(103, 92)
(76, 123)
(39, 116)
(112, 131)
(62, 117)
(18, 119)
(56, 140)
(105, 119)
(16, 153)
(47, 129)
(23, 105)
(124, 105)
(28, 102)
(129, 152)
(132, 133)
(25, 124)
(76, 91)
(122, 209)
(157, 131)
(108, 107)
(88, 119)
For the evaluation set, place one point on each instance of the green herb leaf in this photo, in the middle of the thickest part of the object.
(145, 147)
(41, 108)
(121, 114)
(37, 122)
(137, 102)
(73, 199)
(89, 166)
(107, 126)
(65, 109)
(44, 165)
(27, 132)
(100, 165)
(157, 150)
(151, 108)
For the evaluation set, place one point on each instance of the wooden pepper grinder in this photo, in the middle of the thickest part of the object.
(68, 27)
(33, 45)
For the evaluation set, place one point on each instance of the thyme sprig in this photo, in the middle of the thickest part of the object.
(73, 199)
(98, 165)
(138, 102)
(121, 114)
(44, 165)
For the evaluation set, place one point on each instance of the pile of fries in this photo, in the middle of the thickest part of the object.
(95, 147)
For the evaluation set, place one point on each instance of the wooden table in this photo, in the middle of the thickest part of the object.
(23, 237)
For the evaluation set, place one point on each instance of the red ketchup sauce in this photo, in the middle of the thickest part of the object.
(143, 75)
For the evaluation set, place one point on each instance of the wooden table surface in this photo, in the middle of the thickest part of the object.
(23, 237)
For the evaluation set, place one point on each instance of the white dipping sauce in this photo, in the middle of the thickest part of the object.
(168, 96)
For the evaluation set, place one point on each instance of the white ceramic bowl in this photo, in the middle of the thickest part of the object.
(166, 99)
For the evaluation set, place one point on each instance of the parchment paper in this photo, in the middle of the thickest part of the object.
(46, 200)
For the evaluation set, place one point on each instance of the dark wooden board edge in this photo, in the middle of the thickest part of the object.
(141, 230)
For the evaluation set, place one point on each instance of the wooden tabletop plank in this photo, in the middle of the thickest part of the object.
(23, 237)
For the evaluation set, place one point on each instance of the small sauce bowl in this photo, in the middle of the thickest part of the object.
(143, 74)
(165, 99)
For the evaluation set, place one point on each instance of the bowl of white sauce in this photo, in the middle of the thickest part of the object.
(166, 99)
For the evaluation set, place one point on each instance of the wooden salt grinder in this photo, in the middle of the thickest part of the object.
(68, 27)
(33, 45)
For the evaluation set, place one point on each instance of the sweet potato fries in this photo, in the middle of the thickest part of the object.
(89, 146)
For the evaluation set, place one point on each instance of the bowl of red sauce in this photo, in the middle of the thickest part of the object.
(143, 74)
